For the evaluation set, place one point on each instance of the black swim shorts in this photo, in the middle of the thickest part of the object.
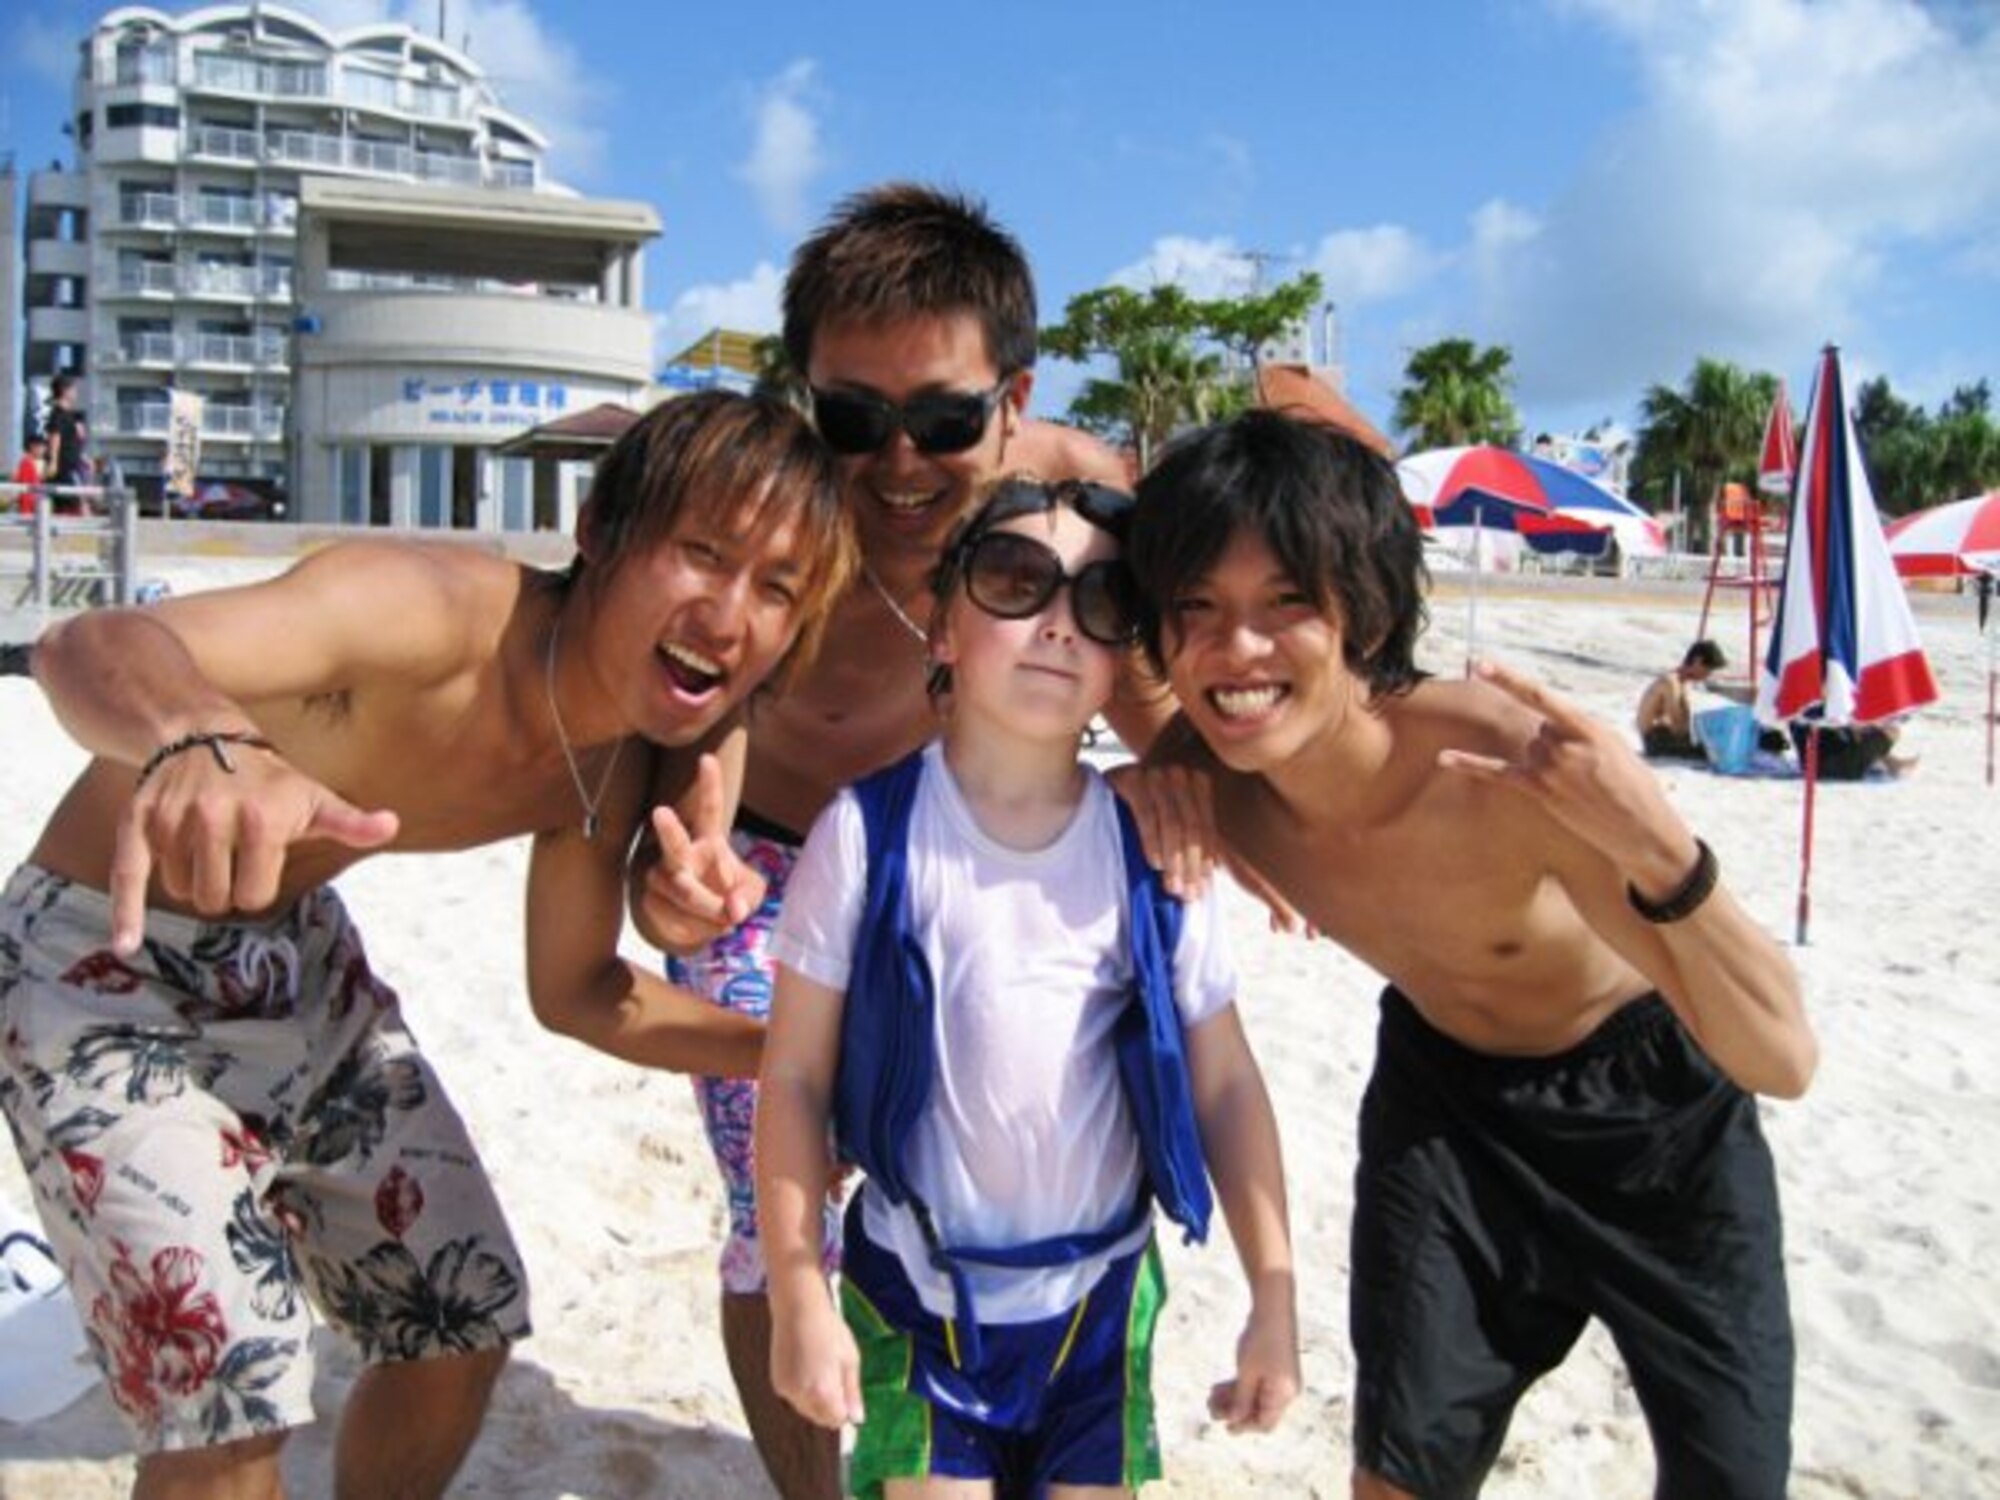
(1500, 1203)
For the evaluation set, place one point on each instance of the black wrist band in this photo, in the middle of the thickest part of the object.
(1687, 898)
(213, 739)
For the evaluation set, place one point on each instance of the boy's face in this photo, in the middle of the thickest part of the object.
(904, 501)
(1038, 675)
(686, 629)
(1257, 665)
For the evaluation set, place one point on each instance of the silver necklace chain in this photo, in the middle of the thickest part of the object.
(590, 803)
(922, 637)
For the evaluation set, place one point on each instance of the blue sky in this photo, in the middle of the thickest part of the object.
(1610, 188)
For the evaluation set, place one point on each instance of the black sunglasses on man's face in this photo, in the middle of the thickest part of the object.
(938, 422)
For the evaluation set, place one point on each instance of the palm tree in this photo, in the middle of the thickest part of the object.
(1163, 383)
(1454, 394)
(1711, 430)
(776, 375)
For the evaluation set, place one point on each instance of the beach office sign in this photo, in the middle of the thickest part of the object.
(499, 403)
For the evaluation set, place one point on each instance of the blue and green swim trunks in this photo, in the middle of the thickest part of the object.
(1067, 1400)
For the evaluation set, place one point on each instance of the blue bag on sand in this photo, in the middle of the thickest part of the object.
(1728, 737)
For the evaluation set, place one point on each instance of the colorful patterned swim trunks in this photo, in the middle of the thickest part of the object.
(735, 972)
(228, 1123)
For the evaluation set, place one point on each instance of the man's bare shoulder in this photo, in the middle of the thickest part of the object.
(361, 607)
(1448, 713)
(1051, 450)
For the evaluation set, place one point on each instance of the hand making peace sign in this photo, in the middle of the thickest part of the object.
(698, 889)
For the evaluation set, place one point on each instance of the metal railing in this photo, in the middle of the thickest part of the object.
(58, 576)
(224, 141)
(149, 276)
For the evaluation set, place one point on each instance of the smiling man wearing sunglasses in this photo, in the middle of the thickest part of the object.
(912, 315)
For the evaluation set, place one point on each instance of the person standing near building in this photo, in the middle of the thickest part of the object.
(67, 435)
(29, 472)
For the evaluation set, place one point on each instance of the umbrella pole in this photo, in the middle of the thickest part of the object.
(1806, 838)
(1472, 594)
(1992, 699)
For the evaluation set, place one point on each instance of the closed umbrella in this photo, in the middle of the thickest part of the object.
(1778, 464)
(1844, 648)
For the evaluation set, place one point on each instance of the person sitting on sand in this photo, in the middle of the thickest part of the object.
(1849, 752)
(221, 1110)
(1562, 1121)
(1665, 718)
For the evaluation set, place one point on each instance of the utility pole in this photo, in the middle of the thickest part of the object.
(1259, 259)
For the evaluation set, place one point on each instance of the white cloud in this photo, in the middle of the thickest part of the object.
(537, 74)
(1201, 268)
(1785, 166)
(1369, 265)
(785, 156)
(750, 305)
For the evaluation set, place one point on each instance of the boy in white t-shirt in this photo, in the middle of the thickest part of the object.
(1076, 1054)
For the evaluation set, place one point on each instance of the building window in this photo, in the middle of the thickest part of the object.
(517, 493)
(350, 485)
(158, 116)
(433, 486)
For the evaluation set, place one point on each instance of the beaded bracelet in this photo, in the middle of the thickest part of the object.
(214, 739)
(1687, 899)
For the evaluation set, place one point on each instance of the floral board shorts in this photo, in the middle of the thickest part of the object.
(223, 1127)
(735, 973)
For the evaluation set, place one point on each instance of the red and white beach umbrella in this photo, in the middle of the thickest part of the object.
(1844, 648)
(1949, 541)
(1955, 541)
(1778, 464)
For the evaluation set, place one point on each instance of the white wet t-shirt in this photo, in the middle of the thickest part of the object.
(1026, 1133)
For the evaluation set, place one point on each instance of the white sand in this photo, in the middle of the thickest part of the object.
(1893, 1239)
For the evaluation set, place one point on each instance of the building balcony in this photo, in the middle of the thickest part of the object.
(229, 215)
(223, 351)
(56, 191)
(252, 77)
(58, 325)
(461, 171)
(221, 283)
(144, 349)
(58, 258)
(153, 278)
(147, 211)
(224, 143)
(227, 423)
(305, 148)
(387, 320)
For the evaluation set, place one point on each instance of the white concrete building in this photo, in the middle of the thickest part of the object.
(169, 257)
(434, 324)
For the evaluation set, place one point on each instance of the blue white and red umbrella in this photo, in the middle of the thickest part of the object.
(1844, 648)
(1493, 487)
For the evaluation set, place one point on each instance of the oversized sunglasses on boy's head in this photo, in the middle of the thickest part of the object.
(1013, 576)
(938, 422)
